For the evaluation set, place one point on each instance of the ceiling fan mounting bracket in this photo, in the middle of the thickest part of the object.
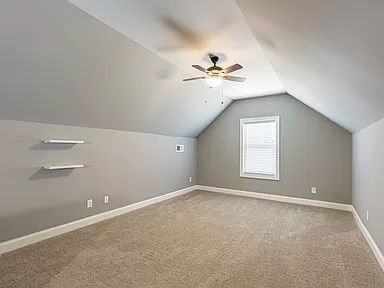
(214, 59)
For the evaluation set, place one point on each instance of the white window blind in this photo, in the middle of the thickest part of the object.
(260, 147)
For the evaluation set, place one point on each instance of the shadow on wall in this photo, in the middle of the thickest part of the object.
(47, 146)
(191, 39)
(48, 174)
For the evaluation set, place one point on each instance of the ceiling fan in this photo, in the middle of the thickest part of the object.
(215, 75)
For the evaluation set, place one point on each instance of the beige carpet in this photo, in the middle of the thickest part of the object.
(203, 240)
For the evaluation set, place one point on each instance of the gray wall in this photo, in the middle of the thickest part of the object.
(368, 179)
(127, 166)
(59, 65)
(314, 151)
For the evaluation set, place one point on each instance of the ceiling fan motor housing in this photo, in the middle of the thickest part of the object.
(215, 71)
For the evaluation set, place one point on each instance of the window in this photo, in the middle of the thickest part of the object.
(259, 148)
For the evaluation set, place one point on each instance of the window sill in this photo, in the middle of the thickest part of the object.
(261, 177)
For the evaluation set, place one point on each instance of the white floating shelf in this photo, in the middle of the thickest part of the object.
(61, 167)
(59, 141)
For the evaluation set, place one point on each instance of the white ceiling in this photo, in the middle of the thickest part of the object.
(184, 32)
(328, 53)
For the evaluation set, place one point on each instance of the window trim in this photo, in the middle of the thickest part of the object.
(257, 120)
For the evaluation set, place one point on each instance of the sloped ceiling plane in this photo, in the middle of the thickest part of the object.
(328, 54)
(119, 64)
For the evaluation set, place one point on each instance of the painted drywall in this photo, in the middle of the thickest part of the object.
(368, 167)
(127, 166)
(314, 151)
(59, 65)
(327, 53)
(184, 32)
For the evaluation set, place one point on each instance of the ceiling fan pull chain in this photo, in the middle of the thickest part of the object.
(222, 95)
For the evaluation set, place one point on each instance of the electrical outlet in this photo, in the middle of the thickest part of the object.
(367, 215)
(313, 190)
(190, 179)
(106, 199)
(89, 203)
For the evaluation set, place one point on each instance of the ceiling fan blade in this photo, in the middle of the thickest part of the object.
(232, 68)
(194, 78)
(198, 67)
(234, 78)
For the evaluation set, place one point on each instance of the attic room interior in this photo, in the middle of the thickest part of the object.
(201, 144)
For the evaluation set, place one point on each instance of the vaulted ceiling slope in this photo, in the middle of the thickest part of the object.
(61, 66)
(184, 32)
(328, 53)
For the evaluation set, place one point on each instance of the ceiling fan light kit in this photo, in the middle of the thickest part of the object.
(214, 81)
(215, 75)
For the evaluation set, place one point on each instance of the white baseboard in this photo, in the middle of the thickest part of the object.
(345, 207)
(279, 198)
(376, 250)
(58, 230)
(61, 229)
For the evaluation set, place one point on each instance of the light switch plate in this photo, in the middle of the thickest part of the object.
(180, 148)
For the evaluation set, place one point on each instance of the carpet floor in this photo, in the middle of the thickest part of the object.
(203, 240)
